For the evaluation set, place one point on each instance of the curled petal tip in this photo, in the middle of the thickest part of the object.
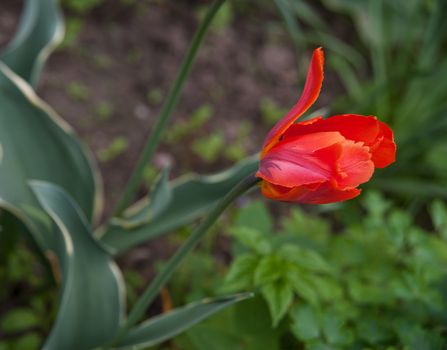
(311, 91)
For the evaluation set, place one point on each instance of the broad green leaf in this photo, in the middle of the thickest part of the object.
(242, 271)
(37, 145)
(192, 197)
(206, 338)
(256, 216)
(245, 326)
(91, 305)
(9, 233)
(166, 326)
(40, 30)
(252, 239)
(161, 196)
(438, 213)
(279, 297)
(269, 269)
(305, 324)
(302, 286)
(304, 258)
(334, 330)
(18, 320)
(27, 341)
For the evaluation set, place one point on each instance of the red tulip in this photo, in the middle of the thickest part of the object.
(320, 160)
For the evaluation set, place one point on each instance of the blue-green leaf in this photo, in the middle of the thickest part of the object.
(91, 306)
(38, 145)
(192, 197)
(166, 326)
(279, 297)
(40, 30)
(160, 197)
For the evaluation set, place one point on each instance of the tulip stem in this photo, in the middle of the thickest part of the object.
(166, 111)
(153, 289)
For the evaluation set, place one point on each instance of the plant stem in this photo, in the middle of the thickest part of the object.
(153, 289)
(166, 111)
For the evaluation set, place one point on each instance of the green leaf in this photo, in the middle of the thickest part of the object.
(304, 258)
(242, 271)
(302, 286)
(192, 197)
(166, 326)
(438, 213)
(245, 326)
(334, 331)
(10, 229)
(37, 145)
(39, 32)
(256, 216)
(305, 323)
(252, 239)
(269, 269)
(206, 338)
(279, 297)
(91, 305)
(161, 196)
(19, 320)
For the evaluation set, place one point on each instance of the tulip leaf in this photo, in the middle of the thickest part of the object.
(92, 295)
(166, 326)
(38, 145)
(159, 200)
(40, 30)
(192, 197)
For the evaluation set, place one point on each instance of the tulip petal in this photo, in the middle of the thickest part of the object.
(309, 194)
(367, 129)
(384, 150)
(354, 166)
(306, 159)
(309, 95)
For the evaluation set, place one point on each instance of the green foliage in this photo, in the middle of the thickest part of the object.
(73, 29)
(155, 97)
(39, 31)
(78, 91)
(32, 125)
(117, 147)
(84, 264)
(209, 147)
(245, 326)
(367, 286)
(223, 18)
(104, 110)
(165, 326)
(192, 197)
(28, 319)
(81, 6)
(188, 127)
(270, 111)
(236, 150)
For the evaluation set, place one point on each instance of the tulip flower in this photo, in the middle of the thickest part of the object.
(321, 161)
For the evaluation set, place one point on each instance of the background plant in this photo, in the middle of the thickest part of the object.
(380, 283)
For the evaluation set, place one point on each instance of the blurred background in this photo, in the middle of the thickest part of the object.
(387, 249)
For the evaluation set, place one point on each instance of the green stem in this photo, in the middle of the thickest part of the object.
(166, 111)
(153, 289)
